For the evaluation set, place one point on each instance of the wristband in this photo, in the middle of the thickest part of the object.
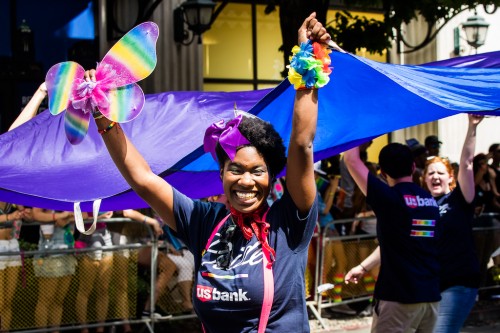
(363, 267)
(53, 217)
(97, 114)
(145, 219)
(309, 66)
(110, 126)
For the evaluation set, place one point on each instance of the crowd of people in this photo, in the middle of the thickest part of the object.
(240, 258)
(91, 266)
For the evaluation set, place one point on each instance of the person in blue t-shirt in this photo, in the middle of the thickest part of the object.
(407, 291)
(460, 274)
(250, 259)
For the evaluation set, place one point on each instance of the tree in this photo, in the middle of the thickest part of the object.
(292, 13)
(355, 32)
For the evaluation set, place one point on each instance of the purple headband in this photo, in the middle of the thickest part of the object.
(227, 135)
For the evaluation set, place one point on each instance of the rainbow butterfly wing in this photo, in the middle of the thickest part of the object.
(115, 92)
(133, 57)
(76, 124)
(125, 103)
(60, 81)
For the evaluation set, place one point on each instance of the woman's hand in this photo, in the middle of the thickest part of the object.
(89, 75)
(15, 215)
(475, 119)
(106, 215)
(27, 214)
(313, 30)
(354, 275)
(64, 218)
(157, 228)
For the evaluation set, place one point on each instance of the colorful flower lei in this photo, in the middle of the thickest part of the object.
(309, 66)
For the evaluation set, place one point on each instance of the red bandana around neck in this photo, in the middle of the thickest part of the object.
(251, 223)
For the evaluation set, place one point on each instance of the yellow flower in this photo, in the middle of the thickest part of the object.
(294, 78)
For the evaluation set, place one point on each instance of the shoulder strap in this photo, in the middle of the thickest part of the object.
(217, 227)
(268, 278)
(268, 287)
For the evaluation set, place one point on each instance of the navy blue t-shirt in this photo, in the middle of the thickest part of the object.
(231, 300)
(408, 231)
(457, 250)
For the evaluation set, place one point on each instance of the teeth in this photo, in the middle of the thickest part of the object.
(245, 195)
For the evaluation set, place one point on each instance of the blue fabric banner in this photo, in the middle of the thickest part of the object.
(363, 100)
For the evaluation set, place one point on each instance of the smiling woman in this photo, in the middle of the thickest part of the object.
(246, 173)
(245, 253)
(459, 274)
(246, 180)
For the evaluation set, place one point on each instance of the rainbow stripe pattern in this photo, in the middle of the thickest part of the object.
(115, 92)
(424, 223)
(125, 103)
(421, 233)
(133, 57)
(224, 277)
(321, 184)
(76, 125)
(60, 81)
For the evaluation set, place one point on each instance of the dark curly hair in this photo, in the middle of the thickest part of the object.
(265, 139)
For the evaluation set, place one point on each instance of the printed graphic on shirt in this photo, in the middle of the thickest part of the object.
(248, 255)
(414, 201)
(206, 294)
(226, 277)
(443, 209)
(217, 284)
(422, 233)
(426, 223)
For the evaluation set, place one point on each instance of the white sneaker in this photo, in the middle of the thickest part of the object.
(156, 315)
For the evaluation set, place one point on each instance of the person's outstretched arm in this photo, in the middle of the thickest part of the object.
(31, 108)
(356, 273)
(139, 217)
(357, 168)
(465, 172)
(134, 168)
(300, 170)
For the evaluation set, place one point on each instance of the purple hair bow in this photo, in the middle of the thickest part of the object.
(227, 135)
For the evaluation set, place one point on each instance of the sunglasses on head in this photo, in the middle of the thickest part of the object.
(226, 253)
(431, 157)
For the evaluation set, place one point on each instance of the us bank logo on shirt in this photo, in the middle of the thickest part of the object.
(206, 294)
(414, 201)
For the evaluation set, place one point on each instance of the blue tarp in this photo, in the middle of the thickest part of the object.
(363, 100)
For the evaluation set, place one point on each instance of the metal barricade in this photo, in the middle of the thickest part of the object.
(31, 282)
(487, 240)
(349, 251)
(79, 279)
(334, 257)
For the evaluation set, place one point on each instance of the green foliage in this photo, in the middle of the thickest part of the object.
(354, 32)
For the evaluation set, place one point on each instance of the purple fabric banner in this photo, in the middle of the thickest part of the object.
(364, 99)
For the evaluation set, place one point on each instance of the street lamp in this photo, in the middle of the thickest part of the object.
(197, 15)
(475, 31)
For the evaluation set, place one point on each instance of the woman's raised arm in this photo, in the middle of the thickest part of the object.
(134, 168)
(300, 169)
